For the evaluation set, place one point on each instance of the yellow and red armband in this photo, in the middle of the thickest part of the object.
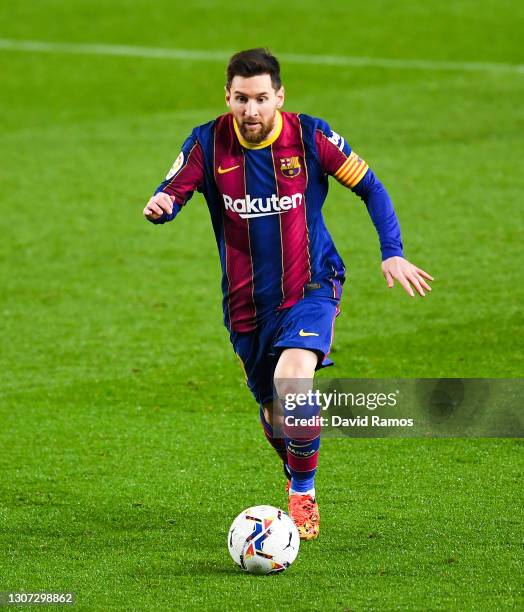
(352, 171)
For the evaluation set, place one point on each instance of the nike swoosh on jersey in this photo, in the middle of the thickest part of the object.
(304, 333)
(224, 170)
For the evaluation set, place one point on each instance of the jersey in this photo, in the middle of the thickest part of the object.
(265, 202)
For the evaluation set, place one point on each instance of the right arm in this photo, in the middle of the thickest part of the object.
(185, 176)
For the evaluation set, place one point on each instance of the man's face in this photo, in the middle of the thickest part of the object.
(254, 103)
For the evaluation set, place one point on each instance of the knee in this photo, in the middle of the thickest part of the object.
(296, 363)
(274, 417)
(267, 410)
(295, 370)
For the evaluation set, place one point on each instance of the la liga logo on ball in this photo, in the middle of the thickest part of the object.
(263, 540)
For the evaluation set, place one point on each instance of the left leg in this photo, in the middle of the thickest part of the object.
(304, 340)
(293, 364)
(296, 363)
(293, 375)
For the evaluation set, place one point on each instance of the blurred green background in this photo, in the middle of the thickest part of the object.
(129, 441)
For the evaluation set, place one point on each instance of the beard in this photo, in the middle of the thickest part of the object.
(257, 136)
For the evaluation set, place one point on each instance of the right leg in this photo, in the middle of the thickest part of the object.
(252, 349)
(278, 443)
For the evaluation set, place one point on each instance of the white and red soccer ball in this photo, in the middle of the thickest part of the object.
(263, 540)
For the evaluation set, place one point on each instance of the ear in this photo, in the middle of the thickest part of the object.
(227, 95)
(281, 96)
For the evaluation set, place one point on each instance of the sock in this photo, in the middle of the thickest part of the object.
(278, 444)
(310, 492)
(302, 446)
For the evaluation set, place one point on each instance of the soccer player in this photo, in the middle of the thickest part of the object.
(264, 174)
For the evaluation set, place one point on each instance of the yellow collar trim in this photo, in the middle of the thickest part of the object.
(264, 143)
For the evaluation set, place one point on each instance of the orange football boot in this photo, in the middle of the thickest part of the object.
(303, 509)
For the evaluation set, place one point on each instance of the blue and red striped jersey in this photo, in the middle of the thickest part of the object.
(266, 201)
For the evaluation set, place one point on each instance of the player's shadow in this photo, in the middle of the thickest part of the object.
(197, 561)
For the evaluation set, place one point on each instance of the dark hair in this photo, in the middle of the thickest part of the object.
(252, 63)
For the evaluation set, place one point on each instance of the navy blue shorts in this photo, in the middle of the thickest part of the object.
(308, 324)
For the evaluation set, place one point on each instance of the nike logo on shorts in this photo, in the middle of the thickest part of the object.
(304, 333)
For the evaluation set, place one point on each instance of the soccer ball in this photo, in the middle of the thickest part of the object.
(263, 540)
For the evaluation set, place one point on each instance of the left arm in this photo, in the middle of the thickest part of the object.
(338, 160)
(382, 213)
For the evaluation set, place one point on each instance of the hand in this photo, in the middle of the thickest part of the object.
(405, 273)
(159, 204)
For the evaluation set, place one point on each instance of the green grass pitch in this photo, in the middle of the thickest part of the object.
(128, 441)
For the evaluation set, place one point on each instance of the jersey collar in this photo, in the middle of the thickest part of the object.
(264, 143)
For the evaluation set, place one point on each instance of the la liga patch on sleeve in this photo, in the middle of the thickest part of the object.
(177, 164)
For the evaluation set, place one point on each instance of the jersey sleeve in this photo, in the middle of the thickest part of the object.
(185, 176)
(336, 157)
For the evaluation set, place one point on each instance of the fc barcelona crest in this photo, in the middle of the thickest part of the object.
(290, 166)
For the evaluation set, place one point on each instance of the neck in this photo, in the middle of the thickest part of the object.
(274, 128)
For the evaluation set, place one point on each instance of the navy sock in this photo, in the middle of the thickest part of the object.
(302, 445)
(278, 444)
